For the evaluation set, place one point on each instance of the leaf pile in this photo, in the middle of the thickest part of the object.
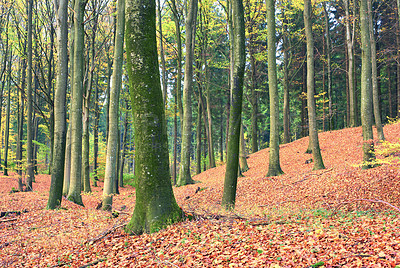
(338, 217)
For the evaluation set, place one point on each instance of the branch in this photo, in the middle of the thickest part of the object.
(105, 233)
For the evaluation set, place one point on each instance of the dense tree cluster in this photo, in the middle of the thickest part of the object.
(197, 83)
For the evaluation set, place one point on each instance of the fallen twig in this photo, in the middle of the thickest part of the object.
(105, 233)
(307, 178)
(6, 220)
(92, 263)
(366, 200)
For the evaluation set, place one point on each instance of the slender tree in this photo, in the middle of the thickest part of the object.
(350, 32)
(74, 193)
(57, 174)
(374, 70)
(155, 205)
(8, 114)
(366, 88)
(312, 121)
(184, 172)
(110, 176)
(29, 100)
(232, 163)
(274, 168)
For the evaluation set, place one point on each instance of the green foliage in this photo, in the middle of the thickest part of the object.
(130, 179)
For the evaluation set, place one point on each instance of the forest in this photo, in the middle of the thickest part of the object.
(198, 133)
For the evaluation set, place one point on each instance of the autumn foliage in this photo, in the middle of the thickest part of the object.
(341, 216)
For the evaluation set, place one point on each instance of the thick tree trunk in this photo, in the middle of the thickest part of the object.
(237, 34)
(110, 177)
(366, 89)
(184, 172)
(57, 175)
(155, 202)
(162, 54)
(375, 78)
(274, 168)
(29, 127)
(312, 121)
(74, 193)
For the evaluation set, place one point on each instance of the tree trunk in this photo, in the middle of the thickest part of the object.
(110, 177)
(237, 33)
(67, 162)
(155, 205)
(8, 113)
(274, 168)
(351, 71)
(29, 127)
(96, 134)
(198, 137)
(184, 172)
(162, 55)
(375, 78)
(312, 121)
(328, 64)
(286, 102)
(366, 90)
(242, 153)
(123, 147)
(74, 193)
(175, 134)
(57, 174)
(21, 124)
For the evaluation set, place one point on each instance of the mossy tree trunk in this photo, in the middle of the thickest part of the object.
(184, 172)
(374, 70)
(274, 168)
(110, 177)
(366, 88)
(312, 121)
(232, 163)
(286, 102)
(57, 174)
(242, 152)
(155, 202)
(74, 193)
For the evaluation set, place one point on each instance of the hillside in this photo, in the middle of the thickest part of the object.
(337, 217)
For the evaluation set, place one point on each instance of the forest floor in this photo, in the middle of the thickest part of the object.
(338, 217)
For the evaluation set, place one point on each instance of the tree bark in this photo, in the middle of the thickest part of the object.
(312, 121)
(198, 137)
(286, 102)
(375, 78)
(74, 193)
(29, 127)
(242, 153)
(366, 90)
(237, 33)
(110, 176)
(274, 168)
(162, 54)
(8, 114)
(155, 205)
(57, 174)
(184, 172)
(328, 65)
(351, 67)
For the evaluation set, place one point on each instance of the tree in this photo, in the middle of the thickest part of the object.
(238, 38)
(350, 32)
(312, 122)
(274, 168)
(8, 114)
(374, 75)
(29, 100)
(60, 129)
(74, 193)
(113, 136)
(184, 173)
(366, 90)
(155, 205)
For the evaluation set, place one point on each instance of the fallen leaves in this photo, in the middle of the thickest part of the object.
(284, 221)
